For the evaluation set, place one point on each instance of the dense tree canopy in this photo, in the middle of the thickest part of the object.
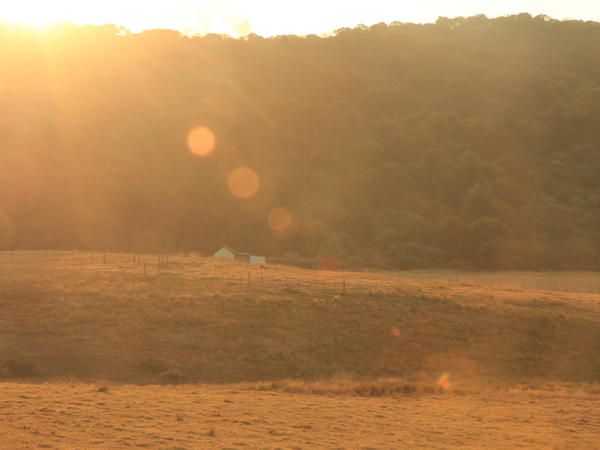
(466, 143)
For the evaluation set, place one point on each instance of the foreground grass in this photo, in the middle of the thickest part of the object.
(77, 415)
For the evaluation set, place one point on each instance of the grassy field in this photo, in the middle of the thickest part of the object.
(72, 315)
(77, 416)
(372, 358)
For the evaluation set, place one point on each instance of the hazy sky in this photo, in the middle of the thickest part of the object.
(271, 17)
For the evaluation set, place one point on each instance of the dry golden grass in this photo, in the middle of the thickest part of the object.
(77, 416)
(302, 359)
(70, 314)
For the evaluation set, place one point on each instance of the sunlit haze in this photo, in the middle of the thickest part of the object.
(301, 223)
(274, 17)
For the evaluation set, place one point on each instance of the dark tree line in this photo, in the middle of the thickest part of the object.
(466, 143)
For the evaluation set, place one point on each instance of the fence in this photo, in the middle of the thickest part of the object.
(207, 270)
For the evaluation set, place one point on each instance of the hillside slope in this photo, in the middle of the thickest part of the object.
(214, 322)
(470, 143)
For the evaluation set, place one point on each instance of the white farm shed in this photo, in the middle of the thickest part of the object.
(229, 254)
(258, 260)
(225, 253)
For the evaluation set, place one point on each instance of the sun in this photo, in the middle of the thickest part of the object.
(44, 13)
(187, 16)
(38, 14)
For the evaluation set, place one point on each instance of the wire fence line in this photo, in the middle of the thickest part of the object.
(210, 270)
(155, 266)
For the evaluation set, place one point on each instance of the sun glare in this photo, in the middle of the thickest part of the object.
(267, 17)
(38, 15)
(188, 16)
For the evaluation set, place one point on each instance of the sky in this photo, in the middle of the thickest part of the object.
(274, 17)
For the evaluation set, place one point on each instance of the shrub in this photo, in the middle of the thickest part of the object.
(172, 376)
(293, 259)
(153, 366)
(20, 369)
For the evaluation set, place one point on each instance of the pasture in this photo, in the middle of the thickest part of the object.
(189, 352)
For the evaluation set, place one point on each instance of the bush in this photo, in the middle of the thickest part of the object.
(20, 369)
(153, 366)
(294, 259)
(172, 377)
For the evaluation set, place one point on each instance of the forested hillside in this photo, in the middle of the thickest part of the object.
(466, 143)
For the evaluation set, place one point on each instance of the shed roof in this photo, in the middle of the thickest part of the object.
(235, 252)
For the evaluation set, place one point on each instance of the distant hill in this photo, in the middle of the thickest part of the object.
(467, 143)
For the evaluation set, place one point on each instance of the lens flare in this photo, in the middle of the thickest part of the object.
(280, 219)
(201, 141)
(444, 382)
(243, 182)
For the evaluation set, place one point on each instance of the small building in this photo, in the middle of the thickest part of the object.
(225, 253)
(258, 260)
(230, 254)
